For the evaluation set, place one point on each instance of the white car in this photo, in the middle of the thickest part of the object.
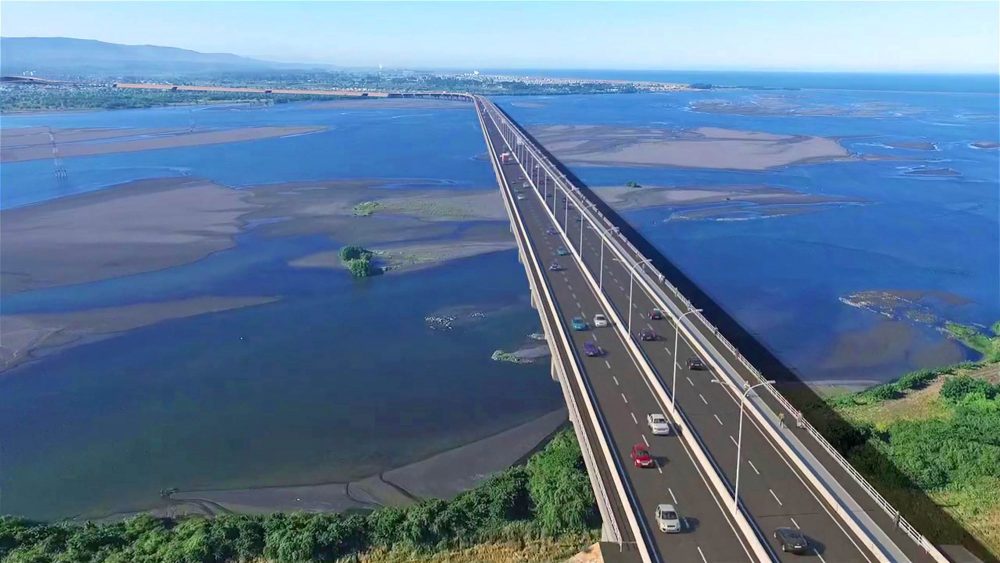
(600, 320)
(520, 196)
(667, 519)
(658, 424)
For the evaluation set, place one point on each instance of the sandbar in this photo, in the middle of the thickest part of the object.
(137, 227)
(23, 146)
(26, 337)
(625, 198)
(706, 147)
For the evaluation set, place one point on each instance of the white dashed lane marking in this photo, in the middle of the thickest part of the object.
(702, 398)
(776, 497)
(624, 398)
(754, 467)
(718, 419)
(634, 419)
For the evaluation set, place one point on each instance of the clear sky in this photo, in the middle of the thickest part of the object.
(948, 36)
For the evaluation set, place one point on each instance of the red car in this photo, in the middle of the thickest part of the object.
(641, 457)
(656, 315)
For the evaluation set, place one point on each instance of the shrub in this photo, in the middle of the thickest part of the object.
(360, 267)
(917, 379)
(353, 252)
(560, 488)
(957, 388)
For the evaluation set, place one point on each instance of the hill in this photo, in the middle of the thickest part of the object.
(68, 57)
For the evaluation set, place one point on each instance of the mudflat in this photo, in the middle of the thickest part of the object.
(35, 143)
(706, 147)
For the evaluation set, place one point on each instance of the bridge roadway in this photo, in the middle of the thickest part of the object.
(624, 399)
(776, 491)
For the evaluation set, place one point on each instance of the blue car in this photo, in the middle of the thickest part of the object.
(591, 349)
(562, 251)
(579, 323)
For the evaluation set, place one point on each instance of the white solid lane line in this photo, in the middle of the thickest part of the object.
(634, 419)
(718, 419)
(776, 498)
(754, 467)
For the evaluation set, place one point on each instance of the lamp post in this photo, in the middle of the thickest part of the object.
(600, 275)
(677, 331)
(631, 270)
(739, 439)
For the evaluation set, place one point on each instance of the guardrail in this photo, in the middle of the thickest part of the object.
(626, 495)
(898, 519)
(751, 532)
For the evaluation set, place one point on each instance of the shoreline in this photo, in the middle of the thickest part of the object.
(442, 475)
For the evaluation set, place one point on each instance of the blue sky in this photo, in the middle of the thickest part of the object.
(813, 36)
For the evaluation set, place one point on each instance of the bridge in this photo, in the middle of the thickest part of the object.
(740, 461)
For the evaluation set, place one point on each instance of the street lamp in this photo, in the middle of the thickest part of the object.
(677, 331)
(600, 274)
(631, 269)
(739, 440)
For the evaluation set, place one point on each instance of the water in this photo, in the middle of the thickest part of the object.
(782, 277)
(333, 382)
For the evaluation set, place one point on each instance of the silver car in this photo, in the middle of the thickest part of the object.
(658, 424)
(600, 320)
(667, 519)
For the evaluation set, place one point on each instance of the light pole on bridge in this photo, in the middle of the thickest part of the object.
(631, 283)
(739, 440)
(677, 331)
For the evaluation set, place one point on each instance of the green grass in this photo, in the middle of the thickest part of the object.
(986, 344)
(366, 208)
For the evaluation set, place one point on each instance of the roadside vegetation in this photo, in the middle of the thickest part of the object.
(544, 509)
(933, 431)
(359, 261)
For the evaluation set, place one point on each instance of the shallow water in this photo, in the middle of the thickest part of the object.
(782, 276)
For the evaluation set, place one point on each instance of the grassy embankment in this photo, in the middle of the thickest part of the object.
(932, 433)
(541, 511)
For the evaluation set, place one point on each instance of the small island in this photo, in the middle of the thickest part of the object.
(359, 261)
(632, 184)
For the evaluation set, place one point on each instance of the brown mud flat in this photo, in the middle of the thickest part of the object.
(35, 144)
(705, 147)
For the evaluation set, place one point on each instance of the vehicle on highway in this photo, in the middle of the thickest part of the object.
(556, 267)
(525, 185)
(647, 335)
(551, 231)
(562, 251)
(658, 424)
(655, 315)
(592, 350)
(667, 519)
(791, 540)
(520, 196)
(641, 456)
(695, 363)
(600, 320)
(579, 324)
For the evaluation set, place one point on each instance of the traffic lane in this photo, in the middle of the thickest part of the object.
(624, 381)
(590, 431)
(781, 489)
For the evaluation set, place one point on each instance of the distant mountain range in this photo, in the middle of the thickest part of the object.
(64, 56)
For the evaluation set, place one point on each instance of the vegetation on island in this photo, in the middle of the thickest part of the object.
(935, 432)
(366, 208)
(544, 506)
(359, 261)
(632, 184)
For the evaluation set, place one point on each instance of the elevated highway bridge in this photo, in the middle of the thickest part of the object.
(740, 461)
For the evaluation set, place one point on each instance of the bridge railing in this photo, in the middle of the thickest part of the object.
(881, 501)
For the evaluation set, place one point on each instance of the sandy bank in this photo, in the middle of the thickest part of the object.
(390, 103)
(27, 336)
(707, 147)
(441, 476)
(625, 198)
(81, 142)
(137, 227)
